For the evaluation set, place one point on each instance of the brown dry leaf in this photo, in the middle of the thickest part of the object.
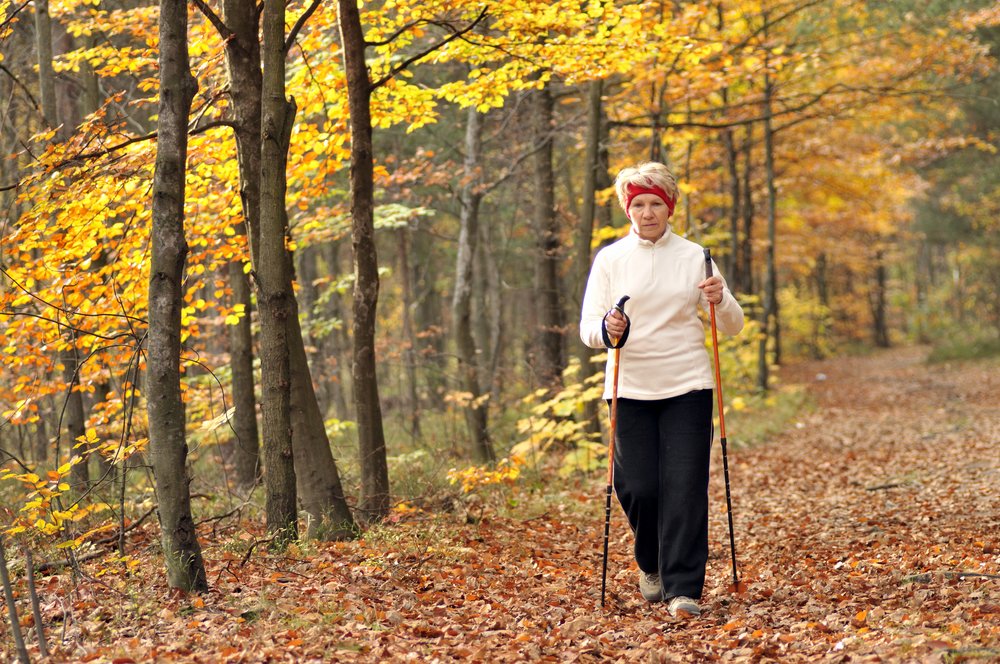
(864, 531)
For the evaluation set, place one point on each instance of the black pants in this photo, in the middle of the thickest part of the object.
(662, 451)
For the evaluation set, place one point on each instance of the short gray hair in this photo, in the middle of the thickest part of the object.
(645, 174)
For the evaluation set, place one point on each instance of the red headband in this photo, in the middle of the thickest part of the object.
(633, 190)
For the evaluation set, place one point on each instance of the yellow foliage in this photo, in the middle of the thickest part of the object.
(472, 478)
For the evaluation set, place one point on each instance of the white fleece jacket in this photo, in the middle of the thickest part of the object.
(665, 354)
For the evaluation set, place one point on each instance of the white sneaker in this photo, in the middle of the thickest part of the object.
(649, 586)
(683, 607)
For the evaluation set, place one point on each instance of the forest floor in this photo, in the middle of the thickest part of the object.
(868, 531)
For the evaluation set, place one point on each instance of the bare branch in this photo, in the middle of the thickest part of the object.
(294, 32)
(66, 312)
(391, 38)
(430, 49)
(14, 13)
(214, 19)
(21, 85)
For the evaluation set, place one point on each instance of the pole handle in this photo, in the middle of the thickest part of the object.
(617, 343)
(708, 263)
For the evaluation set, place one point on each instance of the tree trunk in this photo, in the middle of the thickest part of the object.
(877, 299)
(168, 445)
(246, 446)
(318, 479)
(746, 213)
(549, 359)
(922, 283)
(823, 295)
(337, 345)
(410, 339)
(243, 62)
(428, 314)
(492, 306)
(15, 621)
(735, 273)
(585, 234)
(274, 281)
(476, 413)
(91, 93)
(74, 419)
(374, 503)
(319, 485)
(72, 414)
(768, 326)
(46, 75)
(245, 85)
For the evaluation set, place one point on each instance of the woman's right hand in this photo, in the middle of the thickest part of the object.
(614, 323)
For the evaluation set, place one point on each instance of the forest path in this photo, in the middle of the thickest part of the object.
(868, 531)
(851, 527)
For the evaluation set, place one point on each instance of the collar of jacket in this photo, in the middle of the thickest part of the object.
(662, 242)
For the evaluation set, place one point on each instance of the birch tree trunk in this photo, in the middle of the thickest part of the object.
(168, 445)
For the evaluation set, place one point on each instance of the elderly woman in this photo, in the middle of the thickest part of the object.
(664, 431)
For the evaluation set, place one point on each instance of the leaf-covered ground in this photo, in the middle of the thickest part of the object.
(868, 531)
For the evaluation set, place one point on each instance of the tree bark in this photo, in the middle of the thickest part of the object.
(747, 213)
(734, 269)
(428, 312)
(246, 446)
(337, 345)
(549, 357)
(168, 445)
(492, 308)
(74, 418)
(735, 273)
(46, 75)
(15, 622)
(274, 281)
(476, 413)
(318, 481)
(374, 503)
(585, 232)
(72, 415)
(245, 85)
(769, 327)
(410, 339)
(877, 299)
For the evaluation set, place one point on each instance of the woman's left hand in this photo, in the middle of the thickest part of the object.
(713, 289)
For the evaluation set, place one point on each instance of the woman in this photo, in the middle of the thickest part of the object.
(664, 423)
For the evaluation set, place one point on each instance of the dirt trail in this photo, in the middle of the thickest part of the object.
(854, 529)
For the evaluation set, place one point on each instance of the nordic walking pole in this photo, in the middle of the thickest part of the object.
(616, 344)
(735, 588)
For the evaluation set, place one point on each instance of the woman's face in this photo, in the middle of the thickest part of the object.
(649, 215)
